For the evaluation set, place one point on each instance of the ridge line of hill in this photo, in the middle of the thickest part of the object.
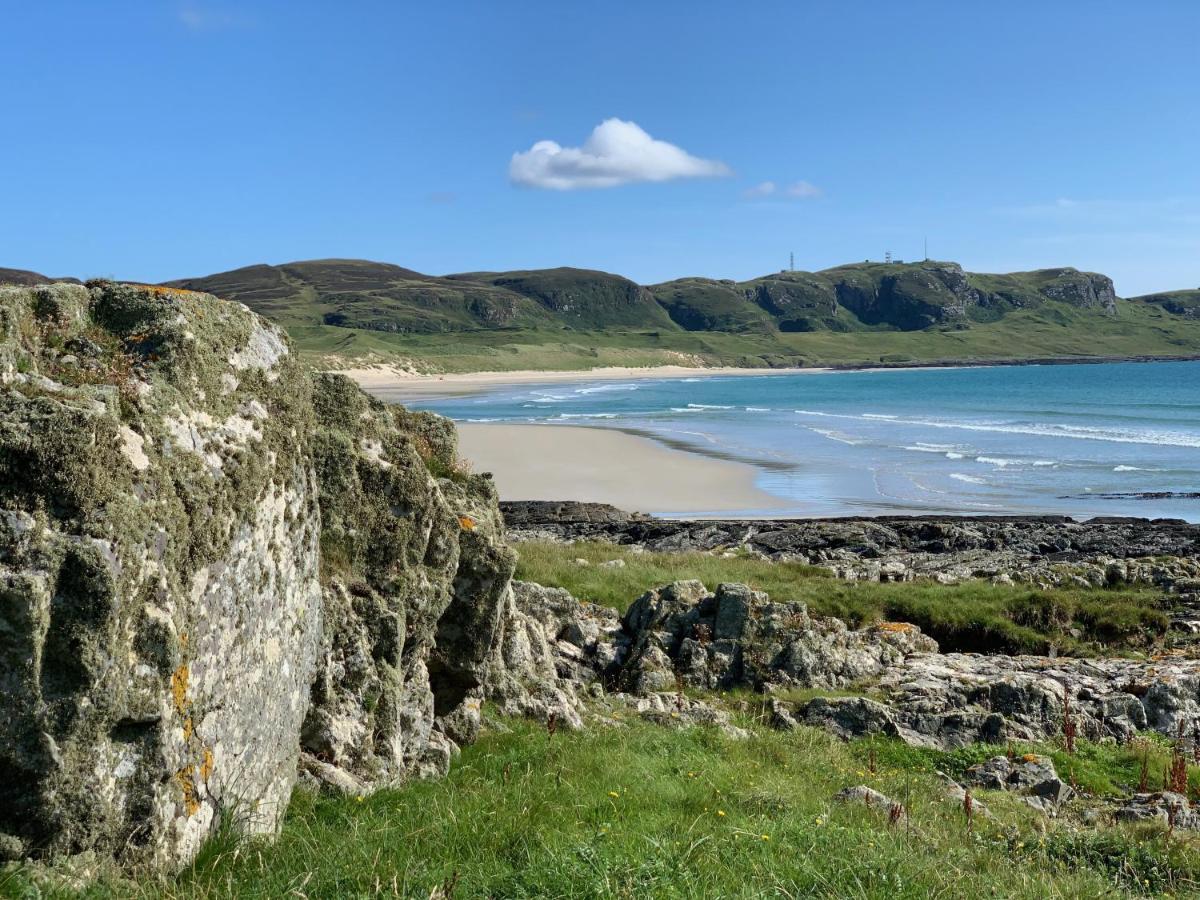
(859, 314)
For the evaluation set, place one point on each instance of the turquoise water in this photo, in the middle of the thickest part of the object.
(1074, 439)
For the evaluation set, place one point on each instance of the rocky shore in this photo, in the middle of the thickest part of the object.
(1042, 550)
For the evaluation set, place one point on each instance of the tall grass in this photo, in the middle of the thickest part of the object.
(644, 811)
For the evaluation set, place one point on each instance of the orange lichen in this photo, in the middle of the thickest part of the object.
(466, 523)
(206, 767)
(1030, 757)
(160, 290)
(188, 730)
(179, 686)
(896, 627)
(187, 784)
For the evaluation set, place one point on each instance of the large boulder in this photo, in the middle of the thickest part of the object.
(215, 564)
(160, 603)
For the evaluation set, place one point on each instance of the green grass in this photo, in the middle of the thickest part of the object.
(645, 811)
(973, 616)
(1053, 330)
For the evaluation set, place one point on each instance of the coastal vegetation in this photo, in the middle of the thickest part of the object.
(637, 810)
(970, 616)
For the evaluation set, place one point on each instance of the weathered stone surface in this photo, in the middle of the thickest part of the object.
(161, 609)
(211, 558)
(1166, 807)
(1032, 776)
(865, 795)
(682, 635)
(955, 699)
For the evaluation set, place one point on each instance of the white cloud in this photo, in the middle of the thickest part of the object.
(797, 190)
(615, 153)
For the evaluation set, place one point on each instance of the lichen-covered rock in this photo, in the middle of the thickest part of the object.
(549, 646)
(211, 559)
(159, 599)
(1032, 776)
(389, 553)
(681, 634)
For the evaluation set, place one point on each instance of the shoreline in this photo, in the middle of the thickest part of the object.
(390, 384)
(394, 384)
(602, 465)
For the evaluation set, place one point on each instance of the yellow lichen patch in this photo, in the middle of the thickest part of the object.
(187, 728)
(206, 767)
(187, 784)
(896, 627)
(159, 290)
(179, 686)
(466, 523)
(183, 639)
(1030, 757)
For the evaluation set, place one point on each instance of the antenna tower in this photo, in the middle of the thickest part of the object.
(792, 262)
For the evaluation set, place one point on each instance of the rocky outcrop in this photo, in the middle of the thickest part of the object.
(1031, 776)
(1042, 550)
(955, 699)
(215, 564)
(1086, 290)
(159, 566)
(681, 635)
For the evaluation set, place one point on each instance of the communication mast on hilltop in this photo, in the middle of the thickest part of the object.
(792, 262)
(887, 256)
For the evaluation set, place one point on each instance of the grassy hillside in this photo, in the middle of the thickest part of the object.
(1179, 303)
(26, 277)
(1052, 330)
(575, 318)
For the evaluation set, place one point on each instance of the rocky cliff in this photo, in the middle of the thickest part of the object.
(216, 566)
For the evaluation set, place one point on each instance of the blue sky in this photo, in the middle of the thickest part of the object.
(156, 140)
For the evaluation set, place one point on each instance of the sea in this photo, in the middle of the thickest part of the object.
(1111, 439)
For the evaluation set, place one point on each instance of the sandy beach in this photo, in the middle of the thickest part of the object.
(395, 385)
(557, 462)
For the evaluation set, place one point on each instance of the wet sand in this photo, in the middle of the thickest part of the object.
(601, 465)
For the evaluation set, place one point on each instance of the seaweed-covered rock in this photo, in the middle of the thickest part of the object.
(160, 608)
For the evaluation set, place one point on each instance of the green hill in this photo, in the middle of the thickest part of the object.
(25, 278)
(857, 314)
(1178, 303)
(864, 296)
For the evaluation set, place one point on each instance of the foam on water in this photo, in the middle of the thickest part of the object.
(1061, 439)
